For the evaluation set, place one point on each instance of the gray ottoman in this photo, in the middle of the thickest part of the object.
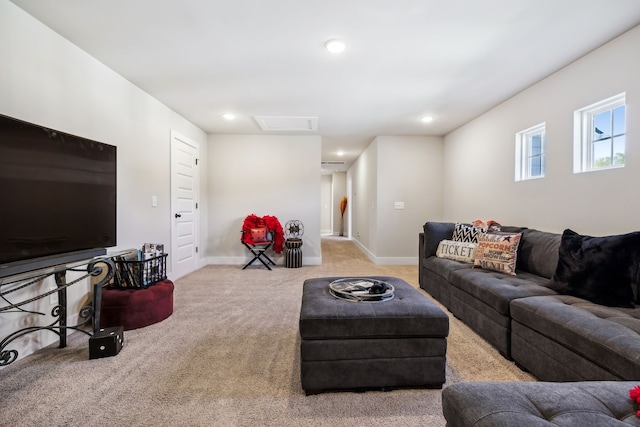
(540, 404)
(349, 345)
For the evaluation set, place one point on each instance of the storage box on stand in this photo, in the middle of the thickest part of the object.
(139, 270)
(106, 342)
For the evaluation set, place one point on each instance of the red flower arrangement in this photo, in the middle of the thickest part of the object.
(634, 394)
(271, 223)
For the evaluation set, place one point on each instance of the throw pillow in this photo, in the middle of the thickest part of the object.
(497, 251)
(603, 270)
(467, 233)
(490, 225)
(459, 251)
(259, 235)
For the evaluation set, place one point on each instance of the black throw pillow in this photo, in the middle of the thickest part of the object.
(603, 270)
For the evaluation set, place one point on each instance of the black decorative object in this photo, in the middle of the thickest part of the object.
(293, 231)
(106, 342)
(356, 289)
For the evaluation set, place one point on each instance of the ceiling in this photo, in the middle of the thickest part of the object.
(453, 59)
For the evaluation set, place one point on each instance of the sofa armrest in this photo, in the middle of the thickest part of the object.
(434, 232)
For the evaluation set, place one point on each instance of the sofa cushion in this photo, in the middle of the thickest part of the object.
(443, 267)
(497, 251)
(459, 251)
(607, 336)
(501, 404)
(603, 270)
(512, 229)
(538, 252)
(434, 232)
(497, 290)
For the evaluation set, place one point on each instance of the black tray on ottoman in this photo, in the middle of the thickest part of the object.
(394, 343)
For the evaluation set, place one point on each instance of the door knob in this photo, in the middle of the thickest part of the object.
(178, 215)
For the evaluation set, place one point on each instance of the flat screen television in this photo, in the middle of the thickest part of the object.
(57, 197)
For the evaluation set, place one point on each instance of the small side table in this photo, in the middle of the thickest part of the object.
(293, 253)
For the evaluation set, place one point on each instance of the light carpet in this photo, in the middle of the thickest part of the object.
(228, 356)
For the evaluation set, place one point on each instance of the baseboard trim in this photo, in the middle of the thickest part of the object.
(242, 260)
(385, 260)
(397, 261)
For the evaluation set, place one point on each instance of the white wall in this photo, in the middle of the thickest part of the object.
(364, 176)
(334, 188)
(393, 169)
(480, 156)
(339, 191)
(409, 171)
(264, 175)
(326, 203)
(44, 79)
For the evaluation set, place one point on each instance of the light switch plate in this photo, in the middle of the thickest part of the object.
(399, 205)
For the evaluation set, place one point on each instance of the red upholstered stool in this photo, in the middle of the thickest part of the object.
(136, 308)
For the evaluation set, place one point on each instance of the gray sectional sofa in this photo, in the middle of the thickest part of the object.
(540, 404)
(558, 333)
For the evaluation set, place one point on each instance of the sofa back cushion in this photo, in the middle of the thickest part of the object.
(538, 253)
(434, 232)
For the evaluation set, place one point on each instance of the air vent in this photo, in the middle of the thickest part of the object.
(332, 163)
(287, 123)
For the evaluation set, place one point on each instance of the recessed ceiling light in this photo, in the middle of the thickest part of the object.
(340, 153)
(427, 119)
(335, 45)
(228, 116)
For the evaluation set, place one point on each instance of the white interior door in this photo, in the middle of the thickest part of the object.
(184, 205)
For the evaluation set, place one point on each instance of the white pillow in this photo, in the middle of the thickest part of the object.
(459, 251)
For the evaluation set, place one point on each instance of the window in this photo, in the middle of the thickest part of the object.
(599, 140)
(530, 157)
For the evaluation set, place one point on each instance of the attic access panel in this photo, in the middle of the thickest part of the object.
(288, 123)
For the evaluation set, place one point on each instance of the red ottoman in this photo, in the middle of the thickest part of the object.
(136, 308)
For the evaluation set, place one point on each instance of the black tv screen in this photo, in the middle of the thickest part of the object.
(57, 192)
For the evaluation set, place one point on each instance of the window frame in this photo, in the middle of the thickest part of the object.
(583, 159)
(523, 152)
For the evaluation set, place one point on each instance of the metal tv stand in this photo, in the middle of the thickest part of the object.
(101, 268)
